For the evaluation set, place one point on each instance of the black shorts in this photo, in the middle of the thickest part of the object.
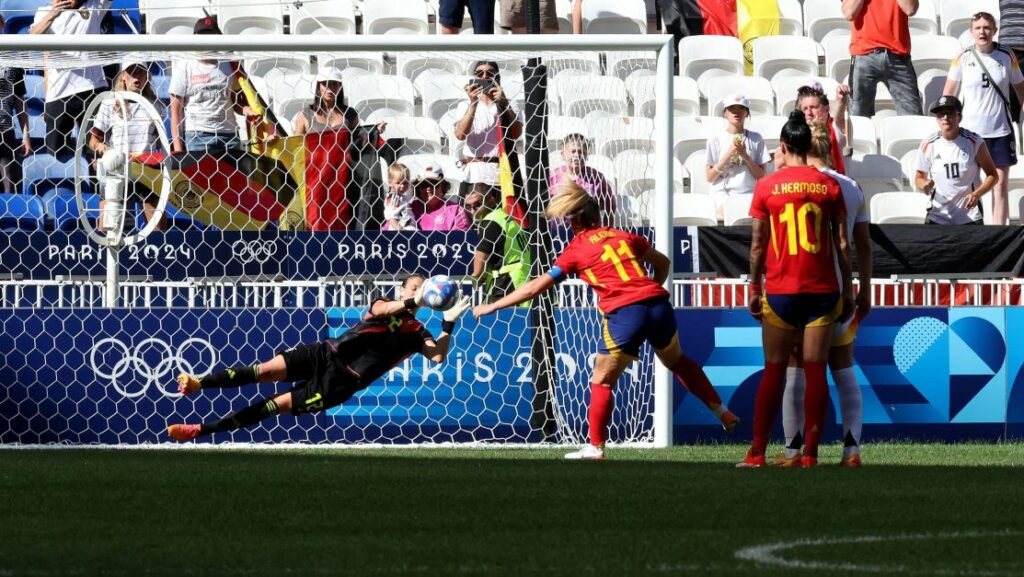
(10, 158)
(61, 118)
(321, 381)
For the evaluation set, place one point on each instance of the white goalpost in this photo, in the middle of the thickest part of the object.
(262, 237)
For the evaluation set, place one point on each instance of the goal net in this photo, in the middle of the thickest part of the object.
(284, 184)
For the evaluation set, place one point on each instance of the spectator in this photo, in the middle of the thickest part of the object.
(478, 123)
(132, 130)
(574, 153)
(205, 94)
(429, 206)
(450, 14)
(398, 200)
(983, 75)
(12, 104)
(813, 102)
(502, 258)
(513, 16)
(328, 111)
(69, 91)
(1011, 16)
(948, 166)
(736, 158)
(880, 47)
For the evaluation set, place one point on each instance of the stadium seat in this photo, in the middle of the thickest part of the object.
(453, 174)
(246, 17)
(585, 63)
(614, 17)
(691, 134)
(19, 14)
(381, 94)
(615, 134)
(837, 56)
(21, 212)
(899, 207)
(737, 210)
(908, 163)
(35, 93)
(824, 18)
(171, 17)
(685, 96)
(259, 67)
(898, 134)
(875, 172)
(1016, 176)
(324, 17)
(599, 162)
(956, 14)
(42, 170)
(924, 21)
(422, 135)
(757, 90)
(411, 65)
(791, 18)
(395, 17)
(694, 210)
(630, 210)
(635, 172)
(563, 11)
(1016, 206)
(696, 167)
(786, 87)
(560, 126)
(36, 127)
(705, 57)
(627, 64)
(61, 209)
(769, 127)
(865, 139)
(933, 52)
(931, 84)
(440, 93)
(352, 64)
(580, 95)
(785, 55)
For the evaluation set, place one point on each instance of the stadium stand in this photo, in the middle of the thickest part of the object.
(614, 17)
(62, 212)
(899, 134)
(785, 55)
(326, 17)
(694, 210)
(737, 210)
(899, 208)
(21, 212)
(705, 57)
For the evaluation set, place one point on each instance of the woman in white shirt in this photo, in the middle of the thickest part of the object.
(131, 130)
(736, 158)
(982, 75)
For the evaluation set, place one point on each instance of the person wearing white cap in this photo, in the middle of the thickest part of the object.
(736, 158)
(328, 111)
(432, 210)
(131, 131)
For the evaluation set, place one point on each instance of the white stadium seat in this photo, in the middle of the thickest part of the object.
(786, 88)
(588, 63)
(737, 210)
(685, 96)
(691, 134)
(415, 163)
(705, 57)
(245, 17)
(614, 17)
(899, 208)
(956, 14)
(925, 20)
(616, 134)
(287, 64)
(865, 139)
(170, 17)
(1016, 205)
(875, 172)
(560, 126)
(696, 166)
(933, 52)
(580, 95)
(380, 95)
(412, 65)
(440, 93)
(837, 56)
(791, 18)
(931, 84)
(395, 17)
(324, 17)
(769, 127)
(785, 55)
(824, 18)
(909, 165)
(757, 90)
(694, 210)
(898, 134)
(626, 64)
(422, 135)
(352, 64)
(635, 172)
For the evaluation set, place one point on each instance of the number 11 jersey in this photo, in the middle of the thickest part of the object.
(798, 203)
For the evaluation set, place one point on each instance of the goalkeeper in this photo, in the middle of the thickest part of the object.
(329, 373)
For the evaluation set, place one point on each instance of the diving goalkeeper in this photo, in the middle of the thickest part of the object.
(329, 373)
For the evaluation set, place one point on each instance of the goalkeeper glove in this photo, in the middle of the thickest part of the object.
(453, 314)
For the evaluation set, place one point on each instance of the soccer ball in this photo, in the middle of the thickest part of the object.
(439, 293)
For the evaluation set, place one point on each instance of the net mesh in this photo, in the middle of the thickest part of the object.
(273, 237)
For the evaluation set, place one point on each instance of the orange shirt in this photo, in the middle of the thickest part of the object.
(880, 24)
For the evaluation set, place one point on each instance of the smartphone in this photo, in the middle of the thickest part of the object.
(485, 84)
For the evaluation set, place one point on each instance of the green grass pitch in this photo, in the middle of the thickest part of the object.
(913, 510)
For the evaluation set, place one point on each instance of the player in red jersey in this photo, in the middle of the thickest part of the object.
(329, 373)
(636, 308)
(799, 233)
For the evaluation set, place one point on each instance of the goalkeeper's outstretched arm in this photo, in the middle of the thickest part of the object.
(520, 295)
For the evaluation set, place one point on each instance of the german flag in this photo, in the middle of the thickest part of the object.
(744, 19)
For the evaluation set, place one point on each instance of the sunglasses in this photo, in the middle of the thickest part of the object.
(946, 113)
(485, 73)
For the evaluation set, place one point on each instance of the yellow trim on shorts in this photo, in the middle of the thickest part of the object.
(673, 343)
(849, 333)
(829, 317)
(613, 348)
(767, 314)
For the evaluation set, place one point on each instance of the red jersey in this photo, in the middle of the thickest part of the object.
(880, 24)
(610, 261)
(799, 204)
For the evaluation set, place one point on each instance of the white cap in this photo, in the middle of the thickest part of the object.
(329, 74)
(736, 100)
(134, 61)
(431, 171)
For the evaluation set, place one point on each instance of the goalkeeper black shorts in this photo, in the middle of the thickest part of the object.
(321, 380)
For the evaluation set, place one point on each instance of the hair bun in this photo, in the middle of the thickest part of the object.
(797, 116)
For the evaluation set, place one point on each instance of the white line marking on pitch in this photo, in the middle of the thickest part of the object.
(770, 554)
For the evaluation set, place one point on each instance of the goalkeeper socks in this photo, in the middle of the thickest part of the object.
(766, 405)
(694, 380)
(851, 408)
(793, 410)
(815, 405)
(233, 377)
(247, 416)
(602, 402)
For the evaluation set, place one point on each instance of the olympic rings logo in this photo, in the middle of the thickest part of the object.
(152, 360)
(253, 250)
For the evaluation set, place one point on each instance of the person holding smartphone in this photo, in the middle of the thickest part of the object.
(478, 121)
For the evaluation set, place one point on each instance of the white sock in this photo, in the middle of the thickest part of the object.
(793, 410)
(851, 408)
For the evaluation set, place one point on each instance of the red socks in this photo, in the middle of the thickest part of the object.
(694, 380)
(767, 403)
(815, 405)
(602, 402)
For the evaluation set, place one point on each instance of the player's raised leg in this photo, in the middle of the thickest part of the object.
(250, 415)
(272, 370)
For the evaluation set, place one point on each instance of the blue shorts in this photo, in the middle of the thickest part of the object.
(801, 310)
(1002, 150)
(213, 143)
(625, 329)
(452, 12)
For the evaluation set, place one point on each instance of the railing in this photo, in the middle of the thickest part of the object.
(343, 292)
